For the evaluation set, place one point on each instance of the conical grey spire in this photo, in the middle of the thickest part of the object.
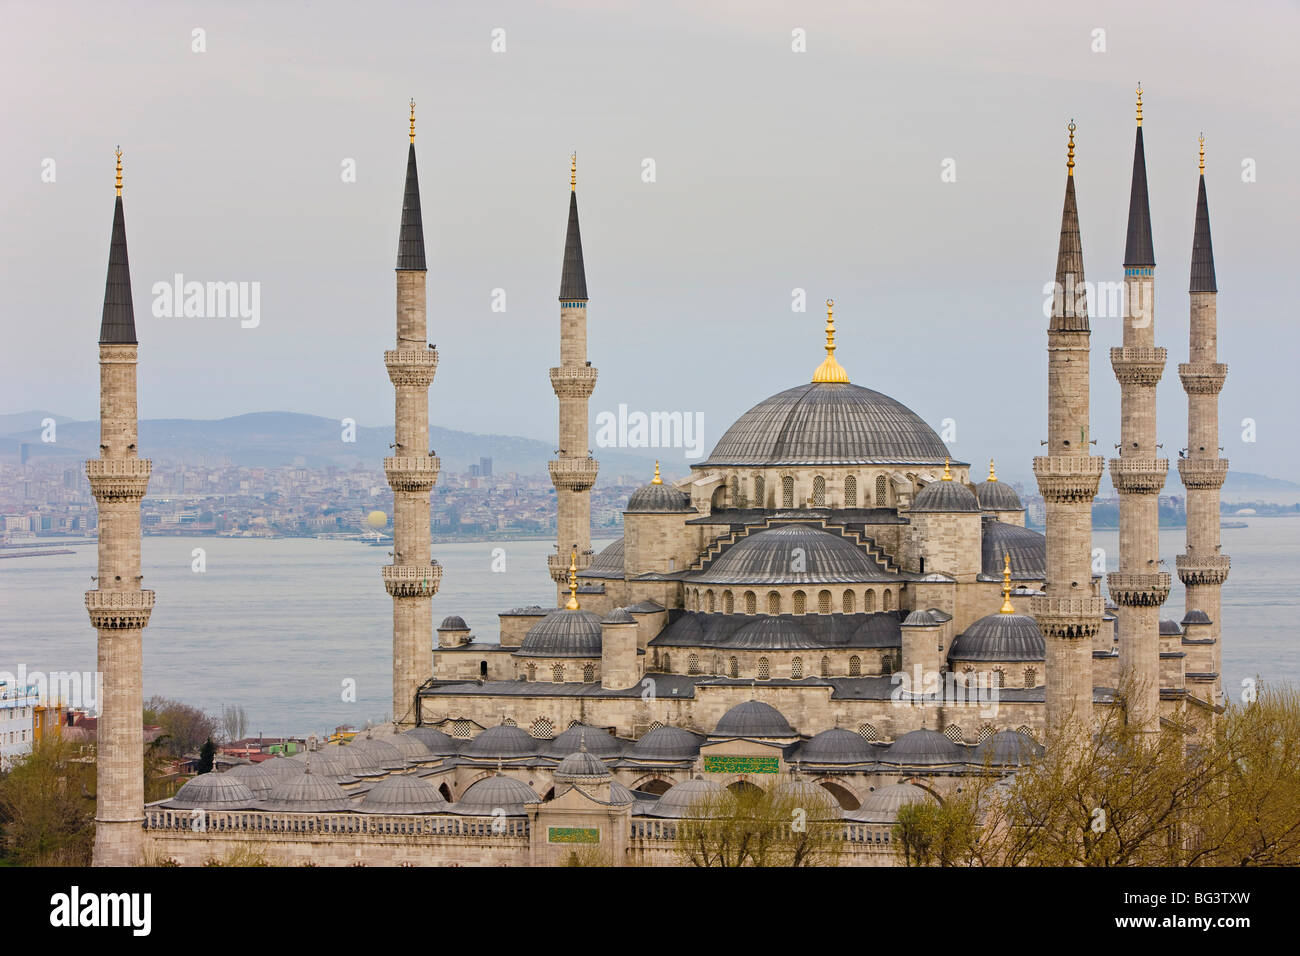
(410, 241)
(1202, 249)
(1070, 304)
(117, 327)
(1138, 251)
(573, 280)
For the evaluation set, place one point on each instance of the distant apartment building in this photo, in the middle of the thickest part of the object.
(18, 706)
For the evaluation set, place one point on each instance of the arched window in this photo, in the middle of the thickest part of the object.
(826, 666)
(855, 666)
(734, 667)
(532, 672)
(824, 602)
(851, 491)
(668, 662)
(787, 492)
(693, 664)
(773, 602)
(999, 677)
(886, 664)
(482, 669)
(543, 728)
(557, 673)
(796, 668)
(764, 672)
(728, 603)
(736, 501)
(869, 732)
(800, 602)
(751, 603)
(954, 733)
(882, 498)
(869, 601)
(819, 492)
(849, 603)
(708, 598)
(889, 600)
(588, 673)
(1031, 677)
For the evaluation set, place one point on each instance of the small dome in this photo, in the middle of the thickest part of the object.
(307, 793)
(814, 799)
(764, 557)
(927, 618)
(497, 792)
(658, 499)
(438, 743)
(618, 616)
(411, 748)
(1171, 629)
(500, 741)
(665, 743)
(403, 794)
(1007, 748)
(337, 768)
(753, 718)
(946, 496)
(1000, 637)
(453, 622)
(599, 741)
(678, 800)
(994, 495)
(837, 746)
(563, 633)
(581, 767)
(1196, 617)
(254, 776)
(923, 748)
(214, 791)
(281, 767)
(882, 806)
(620, 794)
(378, 753)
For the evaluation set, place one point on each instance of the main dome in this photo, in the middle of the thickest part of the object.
(829, 424)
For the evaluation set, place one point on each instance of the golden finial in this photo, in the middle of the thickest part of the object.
(573, 172)
(573, 582)
(1139, 92)
(993, 475)
(1070, 163)
(656, 480)
(412, 119)
(830, 370)
(947, 473)
(1202, 154)
(118, 151)
(1006, 587)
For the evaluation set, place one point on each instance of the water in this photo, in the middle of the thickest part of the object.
(277, 625)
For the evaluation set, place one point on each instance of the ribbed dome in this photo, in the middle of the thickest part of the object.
(255, 777)
(378, 753)
(608, 563)
(882, 806)
(307, 793)
(563, 633)
(597, 740)
(1170, 628)
(837, 746)
(439, 744)
(496, 793)
(815, 800)
(753, 718)
(282, 767)
(500, 741)
(660, 499)
(1000, 637)
(772, 634)
(409, 747)
(619, 615)
(768, 557)
(1028, 550)
(581, 767)
(945, 496)
(922, 748)
(214, 791)
(994, 495)
(665, 743)
(453, 622)
(829, 424)
(403, 794)
(1007, 748)
(678, 800)
(620, 794)
(337, 768)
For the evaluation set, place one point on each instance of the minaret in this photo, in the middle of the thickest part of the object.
(1068, 613)
(118, 608)
(413, 577)
(573, 472)
(1139, 587)
(1204, 568)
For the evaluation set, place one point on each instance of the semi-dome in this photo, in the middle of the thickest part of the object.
(1028, 550)
(403, 794)
(581, 766)
(753, 718)
(438, 743)
(922, 748)
(678, 800)
(772, 634)
(837, 746)
(500, 741)
(307, 792)
(831, 424)
(494, 793)
(658, 499)
(595, 739)
(214, 791)
(665, 743)
(1000, 637)
(882, 806)
(767, 557)
(945, 495)
(254, 776)
(563, 633)
(1007, 748)
(994, 495)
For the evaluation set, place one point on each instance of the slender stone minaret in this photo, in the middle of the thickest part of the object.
(118, 608)
(573, 472)
(1139, 587)
(1068, 613)
(413, 577)
(1204, 568)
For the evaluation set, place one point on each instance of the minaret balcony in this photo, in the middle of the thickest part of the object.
(1138, 476)
(412, 474)
(1138, 366)
(1206, 569)
(1068, 618)
(411, 367)
(1202, 378)
(558, 564)
(1207, 473)
(119, 609)
(1064, 478)
(573, 381)
(412, 580)
(573, 474)
(1138, 590)
(119, 479)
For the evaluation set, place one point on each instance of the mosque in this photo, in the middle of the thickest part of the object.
(830, 603)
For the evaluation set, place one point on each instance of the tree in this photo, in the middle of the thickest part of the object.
(207, 756)
(781, 825)
(185, 727)
(47, 807)
(234, 722)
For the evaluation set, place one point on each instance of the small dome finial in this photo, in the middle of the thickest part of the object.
(1006, 608)
(412, 119)
(1070, 161)
(573, 172)
(830, 371)
(1139, 104)
(1202, 154)
(656, 480)
(118, 152)
(947, 472)
(993, 475)
(573, 583)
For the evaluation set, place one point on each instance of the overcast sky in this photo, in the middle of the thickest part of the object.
(775, 170)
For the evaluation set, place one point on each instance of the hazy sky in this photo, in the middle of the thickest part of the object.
(775, 170)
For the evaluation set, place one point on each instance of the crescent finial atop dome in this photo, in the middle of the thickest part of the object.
(830, 370)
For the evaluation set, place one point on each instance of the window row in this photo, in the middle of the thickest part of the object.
(845, 602)
(752, 493)
(799, 667)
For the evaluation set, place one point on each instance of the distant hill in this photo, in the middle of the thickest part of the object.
(269, 439)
